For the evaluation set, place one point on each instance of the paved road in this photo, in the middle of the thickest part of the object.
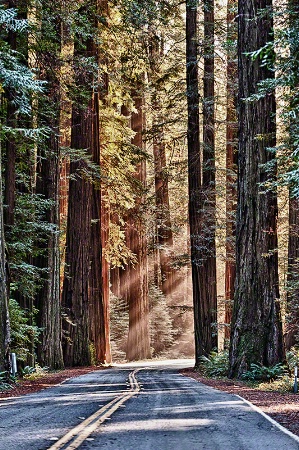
(141, 406)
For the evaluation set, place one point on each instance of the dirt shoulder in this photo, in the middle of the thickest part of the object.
(284, 408)
(24, 386)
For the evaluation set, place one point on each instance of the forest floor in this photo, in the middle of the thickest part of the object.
(282, 407)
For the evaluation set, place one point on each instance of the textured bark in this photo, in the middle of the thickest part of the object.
(201, 192)
(138, 345)
(163, 222)
(208, 277)
(256, 335)
(231, 169)
(75, 296)
(4, 313)
(49, 349)
(11, 151)
(99, 274)
(194, 170)
(292, 325)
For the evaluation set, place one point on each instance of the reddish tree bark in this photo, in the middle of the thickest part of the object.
(75, 295)
(163, 222)
(138, 345)
(256, 335)
(231, 169)
(208, 283)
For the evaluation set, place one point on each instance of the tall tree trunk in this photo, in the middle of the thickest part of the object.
(4, 312)
(292, 325)
(194, 171)
(138, 345)
(256, 335)
(231, 168)
(99, 271)
(164, 228)
(99, 275)
(11, 150)
(75, 296)
(201, 190)
(49, 349)
(208, 276)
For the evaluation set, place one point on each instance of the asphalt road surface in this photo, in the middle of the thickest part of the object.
(137, 406)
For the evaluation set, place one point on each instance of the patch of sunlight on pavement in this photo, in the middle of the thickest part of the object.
(155, 363)
(210, 406)
(163, 424)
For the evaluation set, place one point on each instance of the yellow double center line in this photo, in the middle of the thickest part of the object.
(74, 438)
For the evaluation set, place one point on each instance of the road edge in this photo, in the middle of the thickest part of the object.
(269, 418)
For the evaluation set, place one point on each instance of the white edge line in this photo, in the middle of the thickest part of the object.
(276, 424)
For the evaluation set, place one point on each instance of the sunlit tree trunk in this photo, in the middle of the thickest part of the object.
(163, 222)
(292, 323)
(231, 168)
(256, 335)
(99, 273)
(208, 277)
(138, 345)
(75, 296)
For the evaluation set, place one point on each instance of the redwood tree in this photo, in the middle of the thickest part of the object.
(200, 188)
(49, 349)
(4, 313)
(292, 323)
(75, 296)
(99, 269)
(231, 165)
(208, 277)
(138, 344)
(164, 239)
(256, 335)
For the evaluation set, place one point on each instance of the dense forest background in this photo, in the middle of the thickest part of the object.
(149, 181)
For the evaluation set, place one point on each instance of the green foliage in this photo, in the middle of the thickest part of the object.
(32, 373)
(22, 333)
(161, 326)
(119, 323)
(6, 381)
(214, 365)
(25, 238)
(258, 372)
(292, 357)
(282, 384)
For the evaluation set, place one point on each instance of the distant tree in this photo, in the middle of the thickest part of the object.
(138, 345)
(256, 335)
(163, 221)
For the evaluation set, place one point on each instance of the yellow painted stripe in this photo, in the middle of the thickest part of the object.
(89, 425)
